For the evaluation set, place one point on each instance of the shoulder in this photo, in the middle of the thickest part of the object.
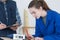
(56, 16)
(53, 13)
(11, 2)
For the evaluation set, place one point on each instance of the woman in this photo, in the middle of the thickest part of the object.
(8, 18)
(47, 21)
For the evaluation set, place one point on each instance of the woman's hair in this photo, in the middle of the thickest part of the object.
(38, 3)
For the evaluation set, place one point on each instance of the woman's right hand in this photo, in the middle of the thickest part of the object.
(2, 26)
(29, 37)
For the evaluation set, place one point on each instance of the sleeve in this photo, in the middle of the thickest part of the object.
(56, 35)
(37, 30)
(18, 17)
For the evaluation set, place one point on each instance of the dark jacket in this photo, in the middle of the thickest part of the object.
(7, 16)
(8, 12)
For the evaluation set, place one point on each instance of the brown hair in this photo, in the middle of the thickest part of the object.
(38, 3)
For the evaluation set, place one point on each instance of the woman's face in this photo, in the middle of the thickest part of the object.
(37, 13)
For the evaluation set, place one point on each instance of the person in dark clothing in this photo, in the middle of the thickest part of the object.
(8, 19)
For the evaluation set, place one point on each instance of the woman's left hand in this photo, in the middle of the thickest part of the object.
(38, 38)
(14, 26)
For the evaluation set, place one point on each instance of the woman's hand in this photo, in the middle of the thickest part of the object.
(38, 38)
(14, 26)
(2, 26)
(29, 37)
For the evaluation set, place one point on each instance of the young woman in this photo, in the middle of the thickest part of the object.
(47, 21)
(9, 18)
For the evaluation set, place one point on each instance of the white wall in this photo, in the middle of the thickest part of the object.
(54, 4)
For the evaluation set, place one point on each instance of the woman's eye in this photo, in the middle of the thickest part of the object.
(33, 13)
